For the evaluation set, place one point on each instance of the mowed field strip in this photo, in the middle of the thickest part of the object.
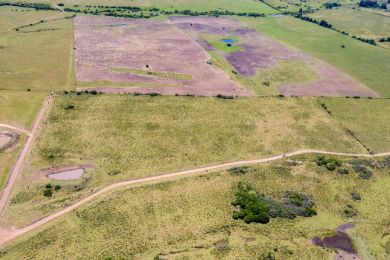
(8, 235)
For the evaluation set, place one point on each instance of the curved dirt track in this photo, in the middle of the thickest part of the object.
(7, 235)
(19, 162)
(18, 129)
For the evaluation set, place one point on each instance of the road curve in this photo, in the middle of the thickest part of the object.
(19, 162)
(15, 128)
(8, 235)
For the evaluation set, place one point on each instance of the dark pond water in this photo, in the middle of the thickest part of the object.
(340, 240)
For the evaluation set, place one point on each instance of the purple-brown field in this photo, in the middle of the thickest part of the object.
(149, 56)
(260, 52)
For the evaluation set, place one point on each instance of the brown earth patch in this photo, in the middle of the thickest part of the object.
(8, 140)
(103, 43)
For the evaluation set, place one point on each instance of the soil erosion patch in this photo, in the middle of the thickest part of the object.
(8, 140)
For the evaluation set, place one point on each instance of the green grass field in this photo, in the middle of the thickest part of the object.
(356, 22)
(365, 63)
(368, 119)
(184, 219)
(19, 108)
(200, 5)
(127, 137)
(26, 58)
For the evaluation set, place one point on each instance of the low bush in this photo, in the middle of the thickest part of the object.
(330, 163)
(238, 170)
(355, 196)
(363, 171)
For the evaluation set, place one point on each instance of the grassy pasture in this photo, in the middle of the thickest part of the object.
(126, 137)
(26, 58)
(356, 22)
(19, 108)
(186, 218)
(368, 119)
(365, 63)
(200, 5)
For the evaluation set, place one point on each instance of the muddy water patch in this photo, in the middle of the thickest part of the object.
(67, 175)
(339, 241)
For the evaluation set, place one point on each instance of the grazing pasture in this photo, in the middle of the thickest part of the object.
(356, 22)
(146, 52)
(256, 53)
(368, 119)
(192, 218)
(19, 108)
(363, 62)
(125, 136)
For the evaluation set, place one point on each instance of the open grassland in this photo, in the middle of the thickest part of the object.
(199, 5)
(365, 63)
(356, 22)
(127, 136)
(187, 218)
(40, 56)
(267, 81)
(19, 108)
(368, 119)
(7, 160)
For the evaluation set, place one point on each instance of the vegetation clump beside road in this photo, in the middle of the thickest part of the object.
(253, 206)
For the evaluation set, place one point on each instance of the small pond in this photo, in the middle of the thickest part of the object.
(228, 41)
(67, 175)
(340, 240)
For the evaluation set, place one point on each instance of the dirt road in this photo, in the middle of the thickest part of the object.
(17, 129)
(18, 165)
(7, 235)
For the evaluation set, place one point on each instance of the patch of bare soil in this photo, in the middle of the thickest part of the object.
(8, 140)
(104, 43)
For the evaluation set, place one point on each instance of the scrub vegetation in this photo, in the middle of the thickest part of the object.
(192, 218)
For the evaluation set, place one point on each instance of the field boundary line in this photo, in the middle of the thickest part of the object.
(19, 161)
(12, 234)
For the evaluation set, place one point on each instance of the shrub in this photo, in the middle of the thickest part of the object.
(69, 107)
(48, 186)
(57, 187)
(47, 192)
(238, 170)
(330, 163)
(355, 196)
(342, 171)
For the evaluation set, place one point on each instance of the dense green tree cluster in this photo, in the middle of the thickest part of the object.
(330, 163)
(253, 206)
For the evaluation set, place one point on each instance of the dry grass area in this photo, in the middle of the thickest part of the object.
(367, 119)
(186, 218)
(133, 136)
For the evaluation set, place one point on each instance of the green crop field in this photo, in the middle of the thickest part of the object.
(368, 119)
(365, 63)
(27, 61)
(356, 22)
(192, 218)
(128, 136)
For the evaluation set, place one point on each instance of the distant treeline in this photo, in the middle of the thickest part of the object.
(384, 39)
(331, 5)
(372, 4)
(36, 6)
(128, 11)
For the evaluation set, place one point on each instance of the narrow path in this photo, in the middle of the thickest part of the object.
(8, 235)
(18, 129)
(18, 165)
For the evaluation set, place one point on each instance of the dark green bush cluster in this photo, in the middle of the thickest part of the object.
(224, 96)
(363, 171)
(238, 170)
(355, 196)
(48, 190)
(36, 6)
(252, 206)
(330, 163)
(349, 211)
